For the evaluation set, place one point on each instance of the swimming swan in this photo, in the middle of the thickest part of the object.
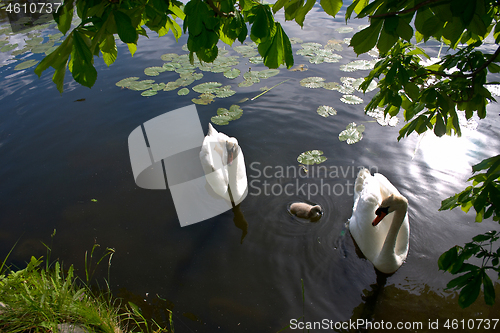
(224, 166)
(379, 222)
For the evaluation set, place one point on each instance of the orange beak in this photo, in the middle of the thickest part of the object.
(379, 218)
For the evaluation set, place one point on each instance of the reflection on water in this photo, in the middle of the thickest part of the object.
(58, 155)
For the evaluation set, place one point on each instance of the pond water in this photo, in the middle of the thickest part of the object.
(65, 165)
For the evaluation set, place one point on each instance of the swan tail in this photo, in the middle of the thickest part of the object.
(360, 181)
(211, 130)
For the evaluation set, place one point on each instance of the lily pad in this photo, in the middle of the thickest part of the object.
(206, 87)
(494, 89)
(372, 86)
(171, 86)
(125, 83)
(332, 85)
(232, 73)
(383, 120)
(183, 91)
(246, 50)
(311, 157)
(26, 64)
(311, 46)
(351, 99)
(149, 92)
(256, 60)
(169, 56)
(357, 65)
(224, 116)
(245, 83)
(153, 71)
(252, 76)
(170, 66)
(225, 92)
(352, 133)
(326, 111)
(267, 73)
(295, 40)
(8, 47)
(141, 85)
(312, 82)
(204, 99)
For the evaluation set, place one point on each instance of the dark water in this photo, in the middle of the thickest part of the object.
(57, 154)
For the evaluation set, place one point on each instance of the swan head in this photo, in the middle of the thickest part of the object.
(232, 149)
(389, 205)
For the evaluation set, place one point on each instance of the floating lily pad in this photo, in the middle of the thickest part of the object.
(332, 85)
(267, 73)
(383, 120)
(224, 116)
(158, 86)
(311, 157)
(326, 111)
(183, 91)
(185, 48)
(141, 85)
(295, 40)
(204, 99)
(169, 56)
(357, 65)
(171, 66)
(334, 46)
(149, 92)
(306, 52)
(372, 86)
(351, 99)
(224, 92)
(312, 82)
(347, 41)
(245, 83)
(232, 73)
(256, 60)
(153, 71)
(26, 64)
(373, 53)
(8, 47)
(246, 50)
(252, 76)
(125, 83)
(352, 133)
(206, 87)
(171, 86)
(311, 45)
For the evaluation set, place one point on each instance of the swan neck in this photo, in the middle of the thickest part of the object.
(389, 246)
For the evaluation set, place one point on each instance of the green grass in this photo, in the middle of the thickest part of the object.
(41, 299)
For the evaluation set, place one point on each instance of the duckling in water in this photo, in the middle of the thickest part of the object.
(306, 211)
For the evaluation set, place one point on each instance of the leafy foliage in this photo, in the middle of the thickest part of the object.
(470, 283)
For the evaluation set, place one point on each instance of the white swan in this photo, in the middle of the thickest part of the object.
(379, 222)
(224, 166)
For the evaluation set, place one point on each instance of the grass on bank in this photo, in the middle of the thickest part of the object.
(47, 299)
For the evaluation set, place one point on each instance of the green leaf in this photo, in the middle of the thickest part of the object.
(64, 16)
(404, 30)
(58, 60)
(461, 281)
(364, 40)
(301, 13)
(277, 50)
(439, 126)
(311, 157)
(412, 91)
(81, 63)
(470, 292)
(108, 49)
(489, 290)
(448, 258)
(331, 7)
(124, 26)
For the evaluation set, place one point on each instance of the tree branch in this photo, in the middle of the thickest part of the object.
(217, 10)
(414, 9)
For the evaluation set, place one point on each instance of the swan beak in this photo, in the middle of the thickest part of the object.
(379, 218)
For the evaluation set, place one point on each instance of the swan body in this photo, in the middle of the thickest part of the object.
(379, 222)
(306, 211)
(224, 166)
